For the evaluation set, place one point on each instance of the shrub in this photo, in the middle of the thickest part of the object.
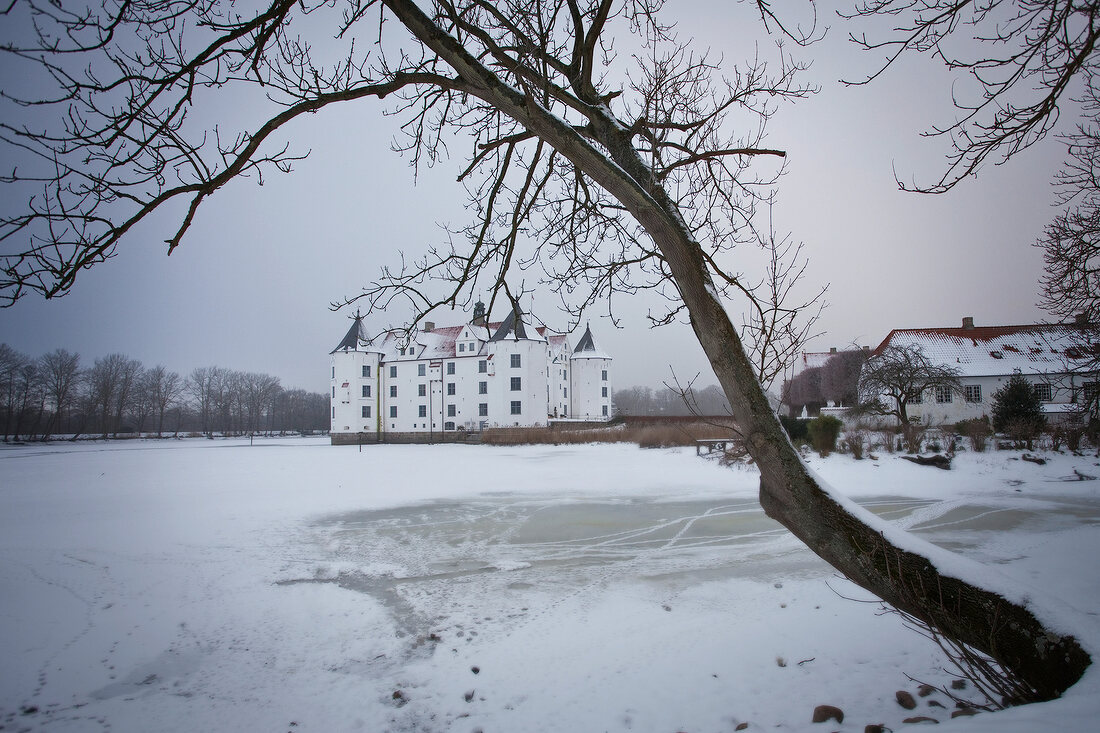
(977, 431)
(854, 441)
(913, 433)
(1017, 410)
(823, 433)
(796, 429)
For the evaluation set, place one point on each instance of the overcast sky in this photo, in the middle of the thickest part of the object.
(250, 287)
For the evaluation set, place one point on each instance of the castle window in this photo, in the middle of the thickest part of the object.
(450, 410)
(461, 348)
(482, 366)
(448, 426)
(515, 361)
(420, 369)
(422, 411)
(366, 370)
(483, 388)
(334, 372)
(421, 390)
(483, 409)
(366, 390)
(517, 407)
(450, 367)
(603, 392)
(366, 410)
(450, 388)
(605, 410)
(393, 390)
(603, 375)
(333, 393)
(517, 384)
(393, 372)
(393, 412)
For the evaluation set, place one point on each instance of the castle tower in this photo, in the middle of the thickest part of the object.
(590, 380)
(354, 393)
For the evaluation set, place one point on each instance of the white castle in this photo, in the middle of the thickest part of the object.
(458, 379)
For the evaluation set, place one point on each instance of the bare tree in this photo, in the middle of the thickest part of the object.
(11, 362)
(61, 372)
(165, 388)
(898, 376)
(840, 376)
(604, 177)
(201, 385)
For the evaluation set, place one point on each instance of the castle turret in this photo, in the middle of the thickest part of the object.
(354, 396)
(590, 379)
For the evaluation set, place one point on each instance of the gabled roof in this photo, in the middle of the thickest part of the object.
(1000, 350)
(586, 347)
(354, 338)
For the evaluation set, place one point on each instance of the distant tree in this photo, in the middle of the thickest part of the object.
(1017, 410)
(129, 381)
(104, 383)
(840, 376)
(30, 398)
(61, 374)
(203, 384)
(11, 362)
(164, 388)
(805, 390)
(899, 375)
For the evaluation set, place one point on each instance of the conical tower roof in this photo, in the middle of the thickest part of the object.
(586, 347)
(511, 327)
(355, 336)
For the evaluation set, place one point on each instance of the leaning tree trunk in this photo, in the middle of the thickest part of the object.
(1046, 662)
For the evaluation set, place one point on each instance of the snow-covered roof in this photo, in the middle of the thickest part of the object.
(815, 359)
(586, 347)
(1001, 350)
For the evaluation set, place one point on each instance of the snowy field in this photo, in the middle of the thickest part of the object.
(293, 586)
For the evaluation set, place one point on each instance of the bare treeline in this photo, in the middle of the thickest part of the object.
(54, 395)
(639, 401)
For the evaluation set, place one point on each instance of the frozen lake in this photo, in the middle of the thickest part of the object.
(291, 585)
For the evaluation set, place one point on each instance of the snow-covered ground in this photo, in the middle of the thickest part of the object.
(290, 585)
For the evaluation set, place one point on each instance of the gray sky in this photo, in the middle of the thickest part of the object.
(250, 286)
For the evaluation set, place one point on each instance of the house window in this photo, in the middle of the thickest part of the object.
(461, 348)
(366, 390)
(422, 411)
(916, 399)
(1089, 391)
(448, 426)
(366, 410)
(515, 361)
(517, 407)
(421, 369)
(450, 367)
(393, 390)
(973, 392)
(482, 366)
(1043, 392)
(603, 375)
(421, 390)
(366, 370)
(393, 411)
(943, 394)
(450, 410)
(483, 388)
(483, 409)
(393, 372)
(516, 384)
(603, 392)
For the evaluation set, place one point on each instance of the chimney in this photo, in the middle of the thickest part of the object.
(968, 322)
(428, 326)
(1081, 319)
(832, 349)
(866, 348)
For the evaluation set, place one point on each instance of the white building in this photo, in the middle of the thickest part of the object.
(1047, 355)
(464, 378)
